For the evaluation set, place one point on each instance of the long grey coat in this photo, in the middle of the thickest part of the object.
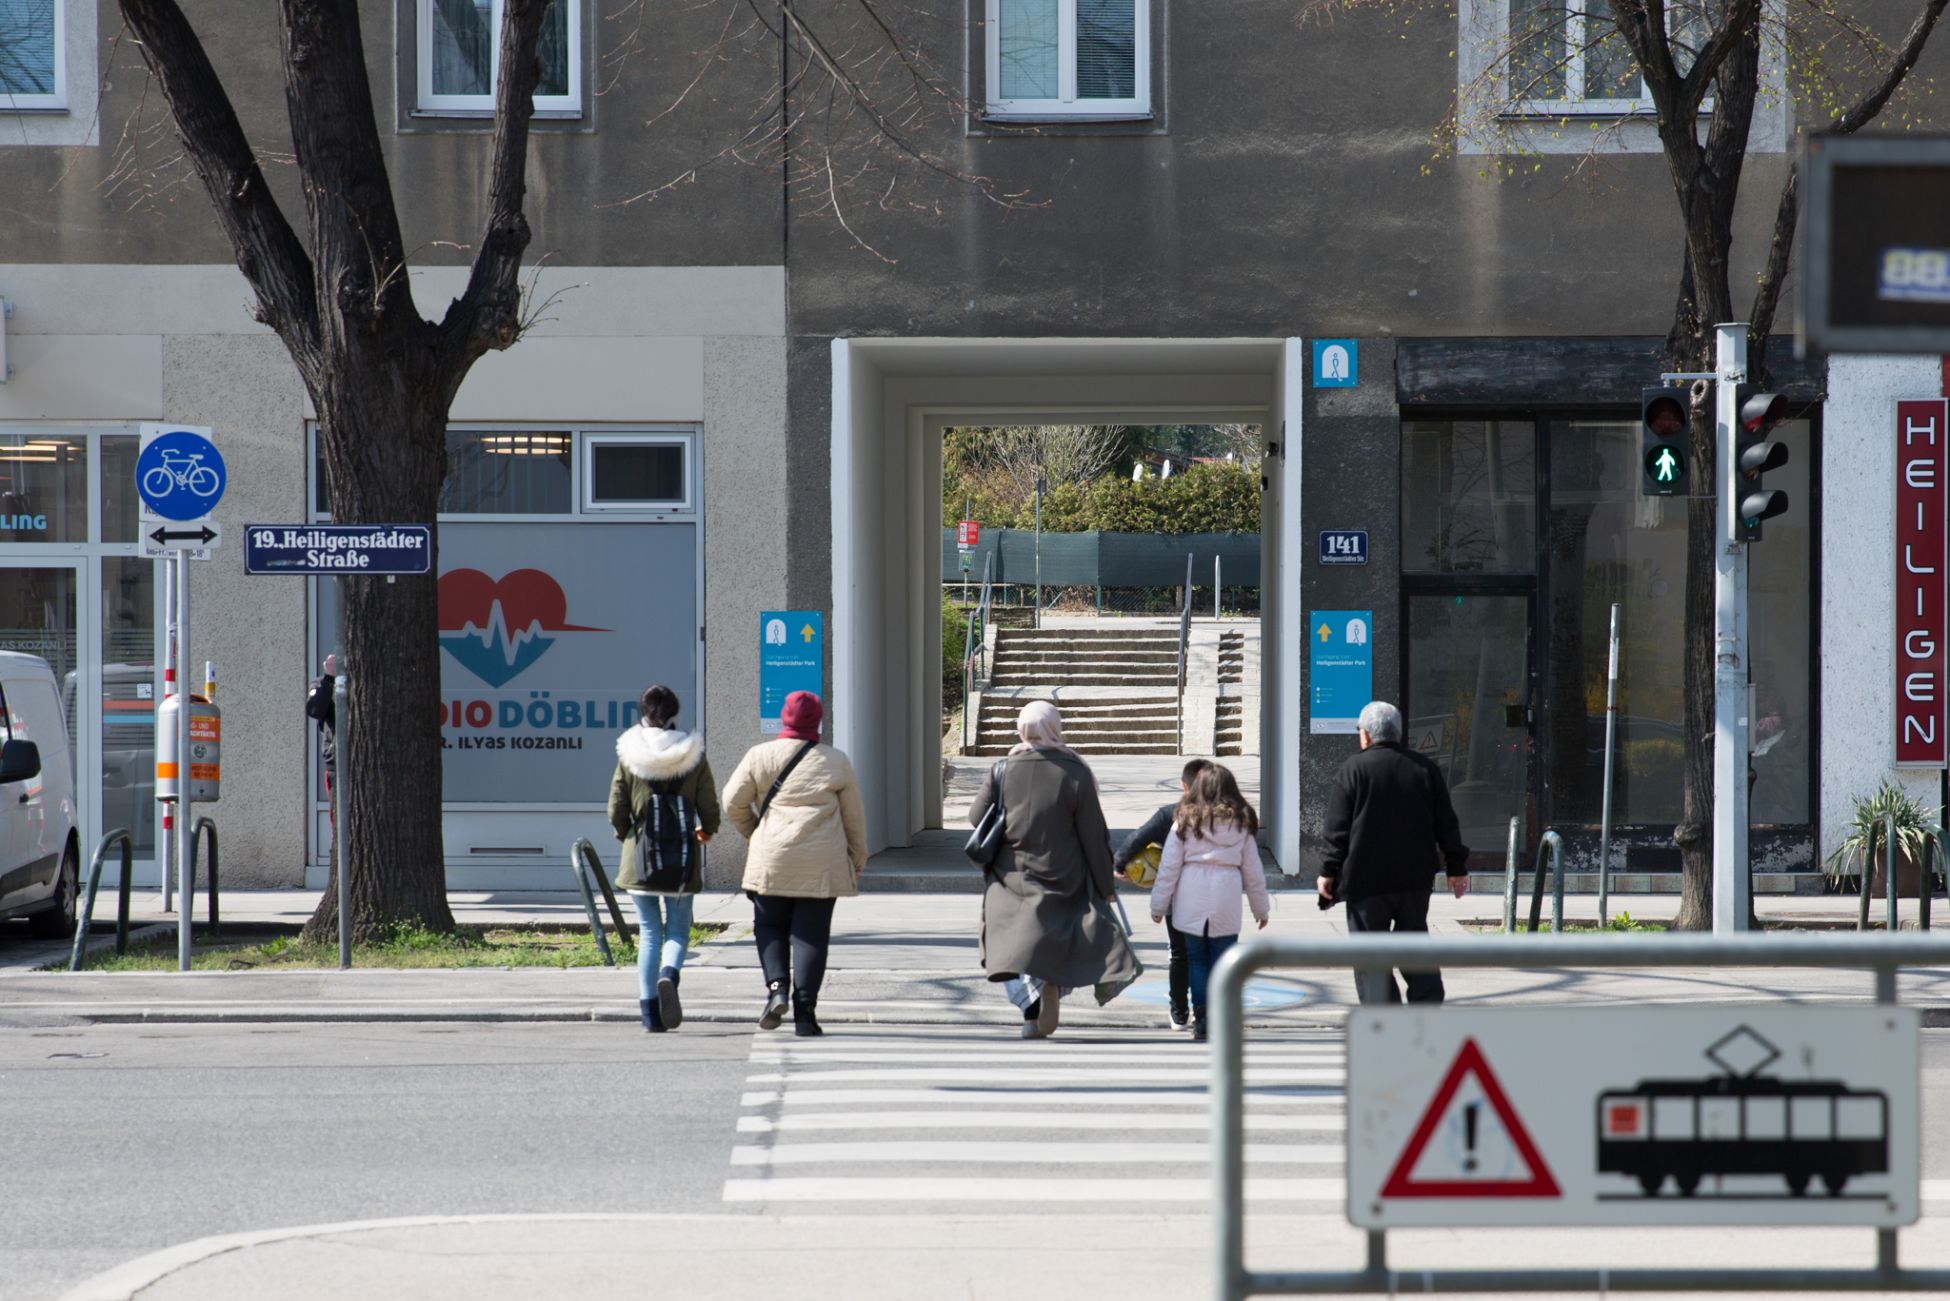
(1047, 910)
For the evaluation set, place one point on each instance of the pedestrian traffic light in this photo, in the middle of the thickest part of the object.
(1759, 413)
(1662, 424)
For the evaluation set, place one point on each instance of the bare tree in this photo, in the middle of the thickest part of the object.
(1702, 65)
(1020, 454)
(380, 374)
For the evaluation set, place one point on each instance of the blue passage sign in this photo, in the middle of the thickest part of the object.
(791, 657)
(338, 549)
(1342, 664)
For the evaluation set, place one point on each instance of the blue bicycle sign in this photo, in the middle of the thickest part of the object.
(180, 475)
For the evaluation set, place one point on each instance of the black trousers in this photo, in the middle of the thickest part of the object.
(1180, 969)
(793, 935)
(1402, 911)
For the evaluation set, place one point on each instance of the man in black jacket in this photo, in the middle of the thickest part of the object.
(1389, 826)
(321, 707)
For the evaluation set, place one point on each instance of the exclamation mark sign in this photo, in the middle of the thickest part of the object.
(1469, 1136)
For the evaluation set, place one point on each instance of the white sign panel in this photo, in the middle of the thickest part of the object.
(1696, 1116)
(166, 539)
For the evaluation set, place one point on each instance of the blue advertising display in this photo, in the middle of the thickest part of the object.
(1343, 546)
(179, 475)
(791, 657)
(1337, 363)
(1342, 677)
(300, 549)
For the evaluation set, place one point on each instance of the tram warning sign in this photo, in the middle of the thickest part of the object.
(1633, 1116)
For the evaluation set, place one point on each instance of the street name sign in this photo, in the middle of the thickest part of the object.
(336, 549)
(1633, 1116)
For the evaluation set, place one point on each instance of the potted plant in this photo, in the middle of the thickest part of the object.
(1914, 831)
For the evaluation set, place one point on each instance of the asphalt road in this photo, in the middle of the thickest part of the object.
(119, 1140)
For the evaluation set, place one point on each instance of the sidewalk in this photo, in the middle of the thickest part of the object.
(1136, 1257)
(897, 958)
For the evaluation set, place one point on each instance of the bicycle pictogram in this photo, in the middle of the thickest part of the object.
(183, 470)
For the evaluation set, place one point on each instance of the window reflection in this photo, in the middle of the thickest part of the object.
(1469, 496)
(43, 488)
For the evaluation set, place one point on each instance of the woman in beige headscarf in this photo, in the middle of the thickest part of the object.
(1047, 924)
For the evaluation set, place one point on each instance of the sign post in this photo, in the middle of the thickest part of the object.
(1732, 875)
(179, 476)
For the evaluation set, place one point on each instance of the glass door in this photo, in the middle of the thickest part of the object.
(44, 613)
(1471, 706)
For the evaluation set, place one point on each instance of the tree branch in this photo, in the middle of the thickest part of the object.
(267, 248)
(487, 315)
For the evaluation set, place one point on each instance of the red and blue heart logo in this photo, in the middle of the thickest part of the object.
(496, 629)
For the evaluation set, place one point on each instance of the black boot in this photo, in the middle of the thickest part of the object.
(803, 1023)
(774, 1006)
(1201, 1028)
(647, 1009)
(669, 1009)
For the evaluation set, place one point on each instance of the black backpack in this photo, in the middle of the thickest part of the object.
(666, 838)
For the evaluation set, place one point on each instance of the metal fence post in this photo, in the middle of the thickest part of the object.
(1611, 745)
(1868, 875)
(1227, 1007)
(1510, 876)
(342, 807)
(1890, 845)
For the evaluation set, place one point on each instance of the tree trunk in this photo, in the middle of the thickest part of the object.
(385, 466)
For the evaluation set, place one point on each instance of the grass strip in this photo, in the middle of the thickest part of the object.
(405, 947)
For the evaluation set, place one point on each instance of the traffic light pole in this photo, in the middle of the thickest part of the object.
(1731, 880)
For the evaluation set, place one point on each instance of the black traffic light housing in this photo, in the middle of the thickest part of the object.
(1664, 414)
(1759, 413)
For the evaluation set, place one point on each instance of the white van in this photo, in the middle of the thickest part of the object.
(40, 850)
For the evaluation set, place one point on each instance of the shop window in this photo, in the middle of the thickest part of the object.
(508, 472)
(1609, 543)
(637, 473)
(121, 508)
(33, 66)
(459, 48)
(43, 488)
(1469, 496)
(1068, 59)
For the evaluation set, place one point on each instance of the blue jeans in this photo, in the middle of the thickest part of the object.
(1202, 954)
(664, 937)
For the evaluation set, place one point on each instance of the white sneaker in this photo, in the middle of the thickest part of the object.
(1179, 1020)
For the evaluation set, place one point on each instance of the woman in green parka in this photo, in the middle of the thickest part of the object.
(663, 806)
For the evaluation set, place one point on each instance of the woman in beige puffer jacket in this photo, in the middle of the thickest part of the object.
(808, 848)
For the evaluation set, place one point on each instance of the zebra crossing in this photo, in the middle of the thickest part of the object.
(916, 1117)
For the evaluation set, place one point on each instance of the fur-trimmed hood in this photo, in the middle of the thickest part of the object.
(659, 753)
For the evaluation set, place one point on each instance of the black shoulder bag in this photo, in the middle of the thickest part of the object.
(986, 840)
(784, 773)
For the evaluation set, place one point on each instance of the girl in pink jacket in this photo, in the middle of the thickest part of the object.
(1211, 855)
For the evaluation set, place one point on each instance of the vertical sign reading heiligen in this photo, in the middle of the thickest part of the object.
(1922, 481)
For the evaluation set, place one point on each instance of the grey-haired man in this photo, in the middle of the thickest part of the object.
(1389, 826)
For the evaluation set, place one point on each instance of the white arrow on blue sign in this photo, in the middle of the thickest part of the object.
(180, 473)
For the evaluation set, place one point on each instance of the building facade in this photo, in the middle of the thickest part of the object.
(732, 403)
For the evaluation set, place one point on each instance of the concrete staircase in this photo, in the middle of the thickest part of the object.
(1230, 736)
(1117, 688)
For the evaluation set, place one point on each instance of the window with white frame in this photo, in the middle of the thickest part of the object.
(1069, 58)
(33, 62)
(459, 45)
(1567, 56)
(636, 472)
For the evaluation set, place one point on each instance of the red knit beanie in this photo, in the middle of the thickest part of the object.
(800, 716)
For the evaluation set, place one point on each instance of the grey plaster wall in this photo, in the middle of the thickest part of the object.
(245, 388)
(130, 198)
(1351, 479)
(809, 450)
(745, 509)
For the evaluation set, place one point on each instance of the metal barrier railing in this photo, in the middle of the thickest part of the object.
(1184, 651)
(1882, 955)
(118, 836)
(582, 859)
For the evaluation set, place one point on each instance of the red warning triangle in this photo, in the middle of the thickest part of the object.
(1469, 1061)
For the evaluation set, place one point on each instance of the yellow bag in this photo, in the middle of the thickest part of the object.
(1143, 869)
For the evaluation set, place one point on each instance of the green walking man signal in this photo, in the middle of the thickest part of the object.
(1663, 416)
(1665, 466)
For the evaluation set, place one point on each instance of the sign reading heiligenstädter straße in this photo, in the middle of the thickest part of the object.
(338, 549)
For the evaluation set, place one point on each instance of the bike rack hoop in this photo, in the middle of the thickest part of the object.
(87, 910)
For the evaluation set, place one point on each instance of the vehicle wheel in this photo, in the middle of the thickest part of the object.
(1651, 1183)
(58, 922)
(1798, 1183)
(1688, 1184)
(1834, 1183)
